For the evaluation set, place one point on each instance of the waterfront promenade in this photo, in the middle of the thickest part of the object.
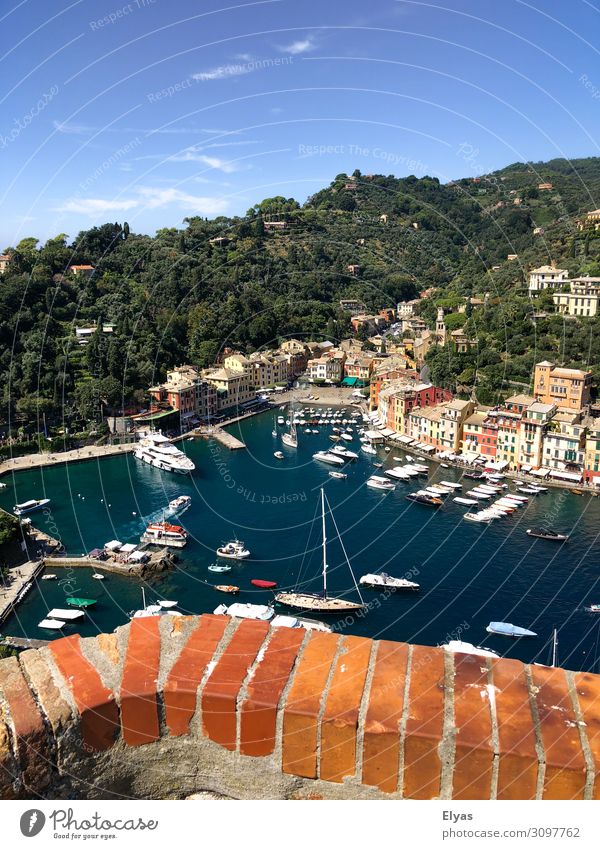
(15, 585)
(90, 452)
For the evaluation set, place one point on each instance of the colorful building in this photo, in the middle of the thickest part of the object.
(567, 388)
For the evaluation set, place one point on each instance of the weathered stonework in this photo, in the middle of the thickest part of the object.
(171, 707)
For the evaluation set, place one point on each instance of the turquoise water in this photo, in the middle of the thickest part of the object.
(469, 574)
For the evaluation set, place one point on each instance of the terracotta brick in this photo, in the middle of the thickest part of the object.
(30, 732)
(588, 695)
(222, 688)
(340, 717)
(109, 646)
(425, 724)
(301, 713)
(259, 710)
(565, 762)
(181, 687)
(95, 702)
(55, 707)
(381, 747)
(518, 763)
(139, 705)
(472, 777)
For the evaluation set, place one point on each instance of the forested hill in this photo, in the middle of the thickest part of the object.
(282, 269)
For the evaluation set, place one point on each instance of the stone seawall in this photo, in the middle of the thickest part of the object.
(170, 706)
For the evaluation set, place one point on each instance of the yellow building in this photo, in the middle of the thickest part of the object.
(568, 388)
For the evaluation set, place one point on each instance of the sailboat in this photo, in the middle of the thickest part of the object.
(322, 602)
(290, 438)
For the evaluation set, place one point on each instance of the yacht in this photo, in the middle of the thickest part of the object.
(30, 506)
(461, 647)
(328, 457)
(157, 450)
(377, 482)
(179, 504)
(163, 533)
(368, 449)
(385, 581)
(344, 452)
(233, 550)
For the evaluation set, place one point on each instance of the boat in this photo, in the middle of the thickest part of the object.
(97, 576)
(179, 504)
(338, 475)
(420, 468)
(163, 608)
(217, 567)
(424, 498)
(344, 452)
(273, 433)
(280, 420)
(227, 588)
(65, 615)
(285, 621)
(157, 450)
(81, 603)
(478, 517)
(378, 465)
(368, 449)
(451, 484)
(51, 624)
(278, 455)
(334, 437)
(290, 437)
(49, 577)
(377, 482)
(467, 501)
(263, 585)
(163, 533)
(476, 476)
(529, 490)
(262, 612)
(554, 536)
(322, 602)
(347, 436)
(30, 506)
(460, 647)
(328, 457)
(577, 491)
(397, 473)
(505, 629)
(233, 550)
(593, 608)
(383, 580)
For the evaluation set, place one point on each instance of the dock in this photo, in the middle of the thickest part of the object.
(19, 581)
(224, 437)
(160, 560)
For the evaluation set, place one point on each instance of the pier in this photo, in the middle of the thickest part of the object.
(160, 560)
(224, 437)
(16, 584)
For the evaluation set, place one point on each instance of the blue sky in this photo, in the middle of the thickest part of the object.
(150, 111)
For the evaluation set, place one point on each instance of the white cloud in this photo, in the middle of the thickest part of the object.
(148, 197)
(221, 73)
(303, 45)
(93, 206)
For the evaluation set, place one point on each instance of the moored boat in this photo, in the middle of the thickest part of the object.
(163, 533)
(227, 588)
(81, 603)
(233, 550)
(179, 504)
(338, 475)
(278, 455)
(540, 533)
(383, 580)
(263, 585)
(378, 482)
(505, 629)
(30, 506)
(328, 457)
(424, 498)
(460, 647)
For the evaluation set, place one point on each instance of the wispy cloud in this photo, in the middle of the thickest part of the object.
(223, 72)
(302, 45)
(68, 128)
(148, 197)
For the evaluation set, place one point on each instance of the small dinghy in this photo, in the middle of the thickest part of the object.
(338, 475)
(505, 629)
(278, 455)
(216, 567)
(263, 585)
(553, 536)
(50, 577)
(593, 608)
(81, 603)
(227, 588)
(234, 550)
(97, 576)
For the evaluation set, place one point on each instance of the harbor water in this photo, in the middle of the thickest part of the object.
(469, 574)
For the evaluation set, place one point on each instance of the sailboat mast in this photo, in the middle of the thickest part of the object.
(324, 543)
(554, 646)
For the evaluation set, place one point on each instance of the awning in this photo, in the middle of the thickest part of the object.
(138, 555)
(407, 440)
(349, 381)
(525, 468)
(113, 545)
(566, 476)
(373, 434)
(428, 448)
(470, 457)
(540, 473)
(128, 547)
(387, 431)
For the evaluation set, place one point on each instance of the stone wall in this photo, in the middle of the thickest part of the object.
(171, 706)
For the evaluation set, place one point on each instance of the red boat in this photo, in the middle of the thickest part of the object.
(264, 585)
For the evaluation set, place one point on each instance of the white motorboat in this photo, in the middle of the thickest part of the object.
(328, 457)
(385, 581)
(273, 433)
(420, 468)
(50, 576)
(285, 621)
(233, 550)
(97, 576)
(180, 504)
(451, 484)
(505, 629)
(378, 482)
(65, 615)
(280, 420)
(477, 517)
(219, 567)
(344, 452)
(262, 612)
(51, 624)
(460, 647)
(157, 450)
(279, 455)
(398, 474)
(368, 449)
(338, 475)
(163, 533)
(30, 506)
(468, 501)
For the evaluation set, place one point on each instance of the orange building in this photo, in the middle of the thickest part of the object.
(567, 388)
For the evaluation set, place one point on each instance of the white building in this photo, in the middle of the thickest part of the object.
(581, 299)
(547, 277)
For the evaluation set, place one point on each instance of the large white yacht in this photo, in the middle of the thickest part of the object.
(157, 450)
